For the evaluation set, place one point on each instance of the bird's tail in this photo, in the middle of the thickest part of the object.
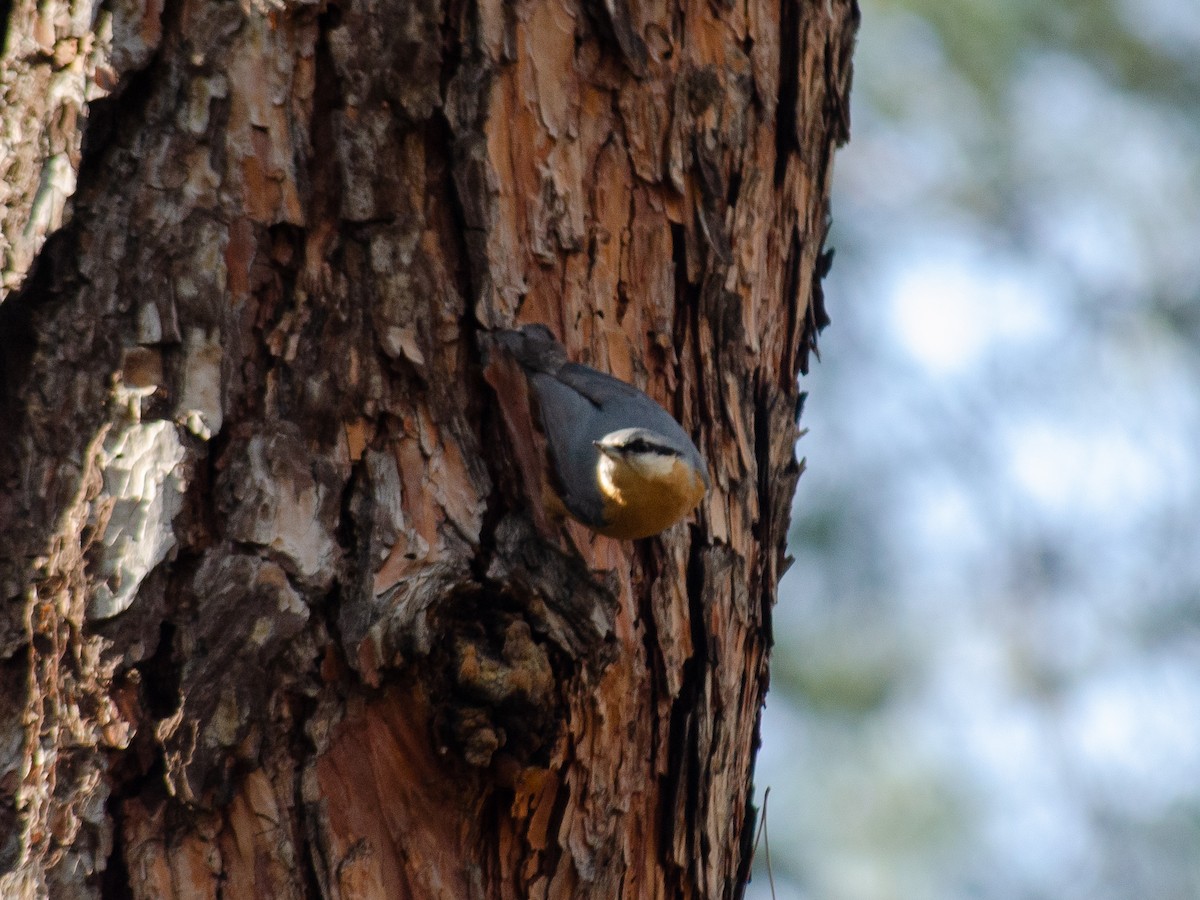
(533, 346)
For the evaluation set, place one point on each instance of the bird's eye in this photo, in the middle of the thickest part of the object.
(637, 445)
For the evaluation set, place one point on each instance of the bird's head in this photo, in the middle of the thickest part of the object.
(648, 480)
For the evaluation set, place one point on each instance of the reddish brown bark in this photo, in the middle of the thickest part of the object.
(281, 619)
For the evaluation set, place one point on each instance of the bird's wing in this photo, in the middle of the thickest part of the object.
(602, 390)
(571, 421)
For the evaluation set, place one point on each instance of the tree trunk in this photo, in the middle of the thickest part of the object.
(281, 620)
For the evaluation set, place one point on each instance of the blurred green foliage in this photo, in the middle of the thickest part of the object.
(985, 681)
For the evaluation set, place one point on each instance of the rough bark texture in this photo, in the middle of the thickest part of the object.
(280, 619)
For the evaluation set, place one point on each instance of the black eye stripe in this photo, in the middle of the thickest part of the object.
(640, 445)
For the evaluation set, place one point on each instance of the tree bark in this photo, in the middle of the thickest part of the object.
(281, 617)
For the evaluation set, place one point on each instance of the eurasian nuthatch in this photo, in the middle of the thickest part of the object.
(620, 463)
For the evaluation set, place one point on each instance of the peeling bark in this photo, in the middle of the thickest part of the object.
(282, 616)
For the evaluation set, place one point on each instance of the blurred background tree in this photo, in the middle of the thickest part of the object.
(987, 679)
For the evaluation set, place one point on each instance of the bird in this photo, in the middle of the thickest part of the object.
(618, 462)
